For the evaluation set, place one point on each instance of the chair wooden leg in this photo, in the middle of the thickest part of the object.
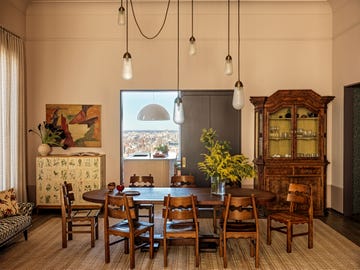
(268, 227)
(151, 242)
(257, 247)
(26, 235)
(64, 236)
(289, 231)
(310, 235)
(197, 257)
(69, 230)
(92, 232)
(224, 253)
(151, 214)
(97, 228)
(132, 251)
(107, 247)
(214, 219)
(221, 245)
(165, 252)
(252, 247)
(126, 246)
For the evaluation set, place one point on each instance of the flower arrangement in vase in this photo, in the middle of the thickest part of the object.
(219, 165)
(50, 135)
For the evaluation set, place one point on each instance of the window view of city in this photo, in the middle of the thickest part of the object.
(146, 141)
(144, 137)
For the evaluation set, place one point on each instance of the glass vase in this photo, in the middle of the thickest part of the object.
(217, 185)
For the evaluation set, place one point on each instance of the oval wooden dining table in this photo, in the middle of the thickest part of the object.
(155, 195)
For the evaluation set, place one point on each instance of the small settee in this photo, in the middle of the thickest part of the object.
(15, 218)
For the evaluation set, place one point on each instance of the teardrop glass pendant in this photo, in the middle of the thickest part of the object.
(178, 116)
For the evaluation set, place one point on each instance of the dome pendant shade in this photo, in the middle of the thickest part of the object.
(178, 117)
(238, 101)
(153, 112)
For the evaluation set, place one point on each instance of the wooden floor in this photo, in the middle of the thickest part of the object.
(349, 227)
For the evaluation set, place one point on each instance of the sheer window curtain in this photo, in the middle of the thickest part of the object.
(12, 114)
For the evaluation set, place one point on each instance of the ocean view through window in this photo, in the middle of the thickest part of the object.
(145, 137)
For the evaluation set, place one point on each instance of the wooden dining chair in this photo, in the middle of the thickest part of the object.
(180, 221)
(182, 181)
(71, 218)
(240, 220)
(143, 181)
(300, 212)
(128, 228)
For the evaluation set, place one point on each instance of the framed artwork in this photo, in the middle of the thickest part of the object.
(81, 123)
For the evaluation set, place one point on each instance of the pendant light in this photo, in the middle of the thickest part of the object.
(153, 112)
(127, 65)
(178, 116)
(192, 47)
(121, 14)
(238, 97)
(228, 58)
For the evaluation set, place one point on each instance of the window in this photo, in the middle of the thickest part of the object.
(143, 137)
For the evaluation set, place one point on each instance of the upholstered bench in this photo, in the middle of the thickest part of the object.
(13, 223)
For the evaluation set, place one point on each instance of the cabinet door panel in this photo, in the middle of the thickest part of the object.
(205, 109)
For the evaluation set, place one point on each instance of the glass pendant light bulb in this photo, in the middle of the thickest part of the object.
(238, 101)
(192, 47)
(121, 15)
(178, 116)
(228, 65)
(127, 67)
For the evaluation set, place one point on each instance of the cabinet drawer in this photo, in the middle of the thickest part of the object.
(284, 170)
(307, 170)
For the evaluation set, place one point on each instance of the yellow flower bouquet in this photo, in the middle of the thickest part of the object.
(219, 162)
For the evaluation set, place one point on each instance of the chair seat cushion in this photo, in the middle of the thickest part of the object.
(180, 226)
(124, 226)
(11, 226)
(85, 213)
(233, 226)
(289, 217)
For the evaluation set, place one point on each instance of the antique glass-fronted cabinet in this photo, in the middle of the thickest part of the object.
(290, 144)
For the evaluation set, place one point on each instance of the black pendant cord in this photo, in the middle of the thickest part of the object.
(238, 40)
(192, 18)
(127, 26)
(178, 47)
(138, 25)
(228, 27)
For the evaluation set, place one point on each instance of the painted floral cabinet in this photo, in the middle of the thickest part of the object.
(84, 172)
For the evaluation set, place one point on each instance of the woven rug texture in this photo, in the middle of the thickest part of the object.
(43, 251)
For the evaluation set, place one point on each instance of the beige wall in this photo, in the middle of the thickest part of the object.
(74, 56)
(346, 71)
(12, 16)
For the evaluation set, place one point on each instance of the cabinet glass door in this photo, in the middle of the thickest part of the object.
(307, 133)
(280, 134)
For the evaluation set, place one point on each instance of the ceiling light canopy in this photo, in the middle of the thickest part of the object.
(153, 112)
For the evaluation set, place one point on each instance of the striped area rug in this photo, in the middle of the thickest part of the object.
(43, 251)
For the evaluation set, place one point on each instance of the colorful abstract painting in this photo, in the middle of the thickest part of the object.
(81, 123)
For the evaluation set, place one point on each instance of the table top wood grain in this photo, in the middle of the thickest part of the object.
(155, 195)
